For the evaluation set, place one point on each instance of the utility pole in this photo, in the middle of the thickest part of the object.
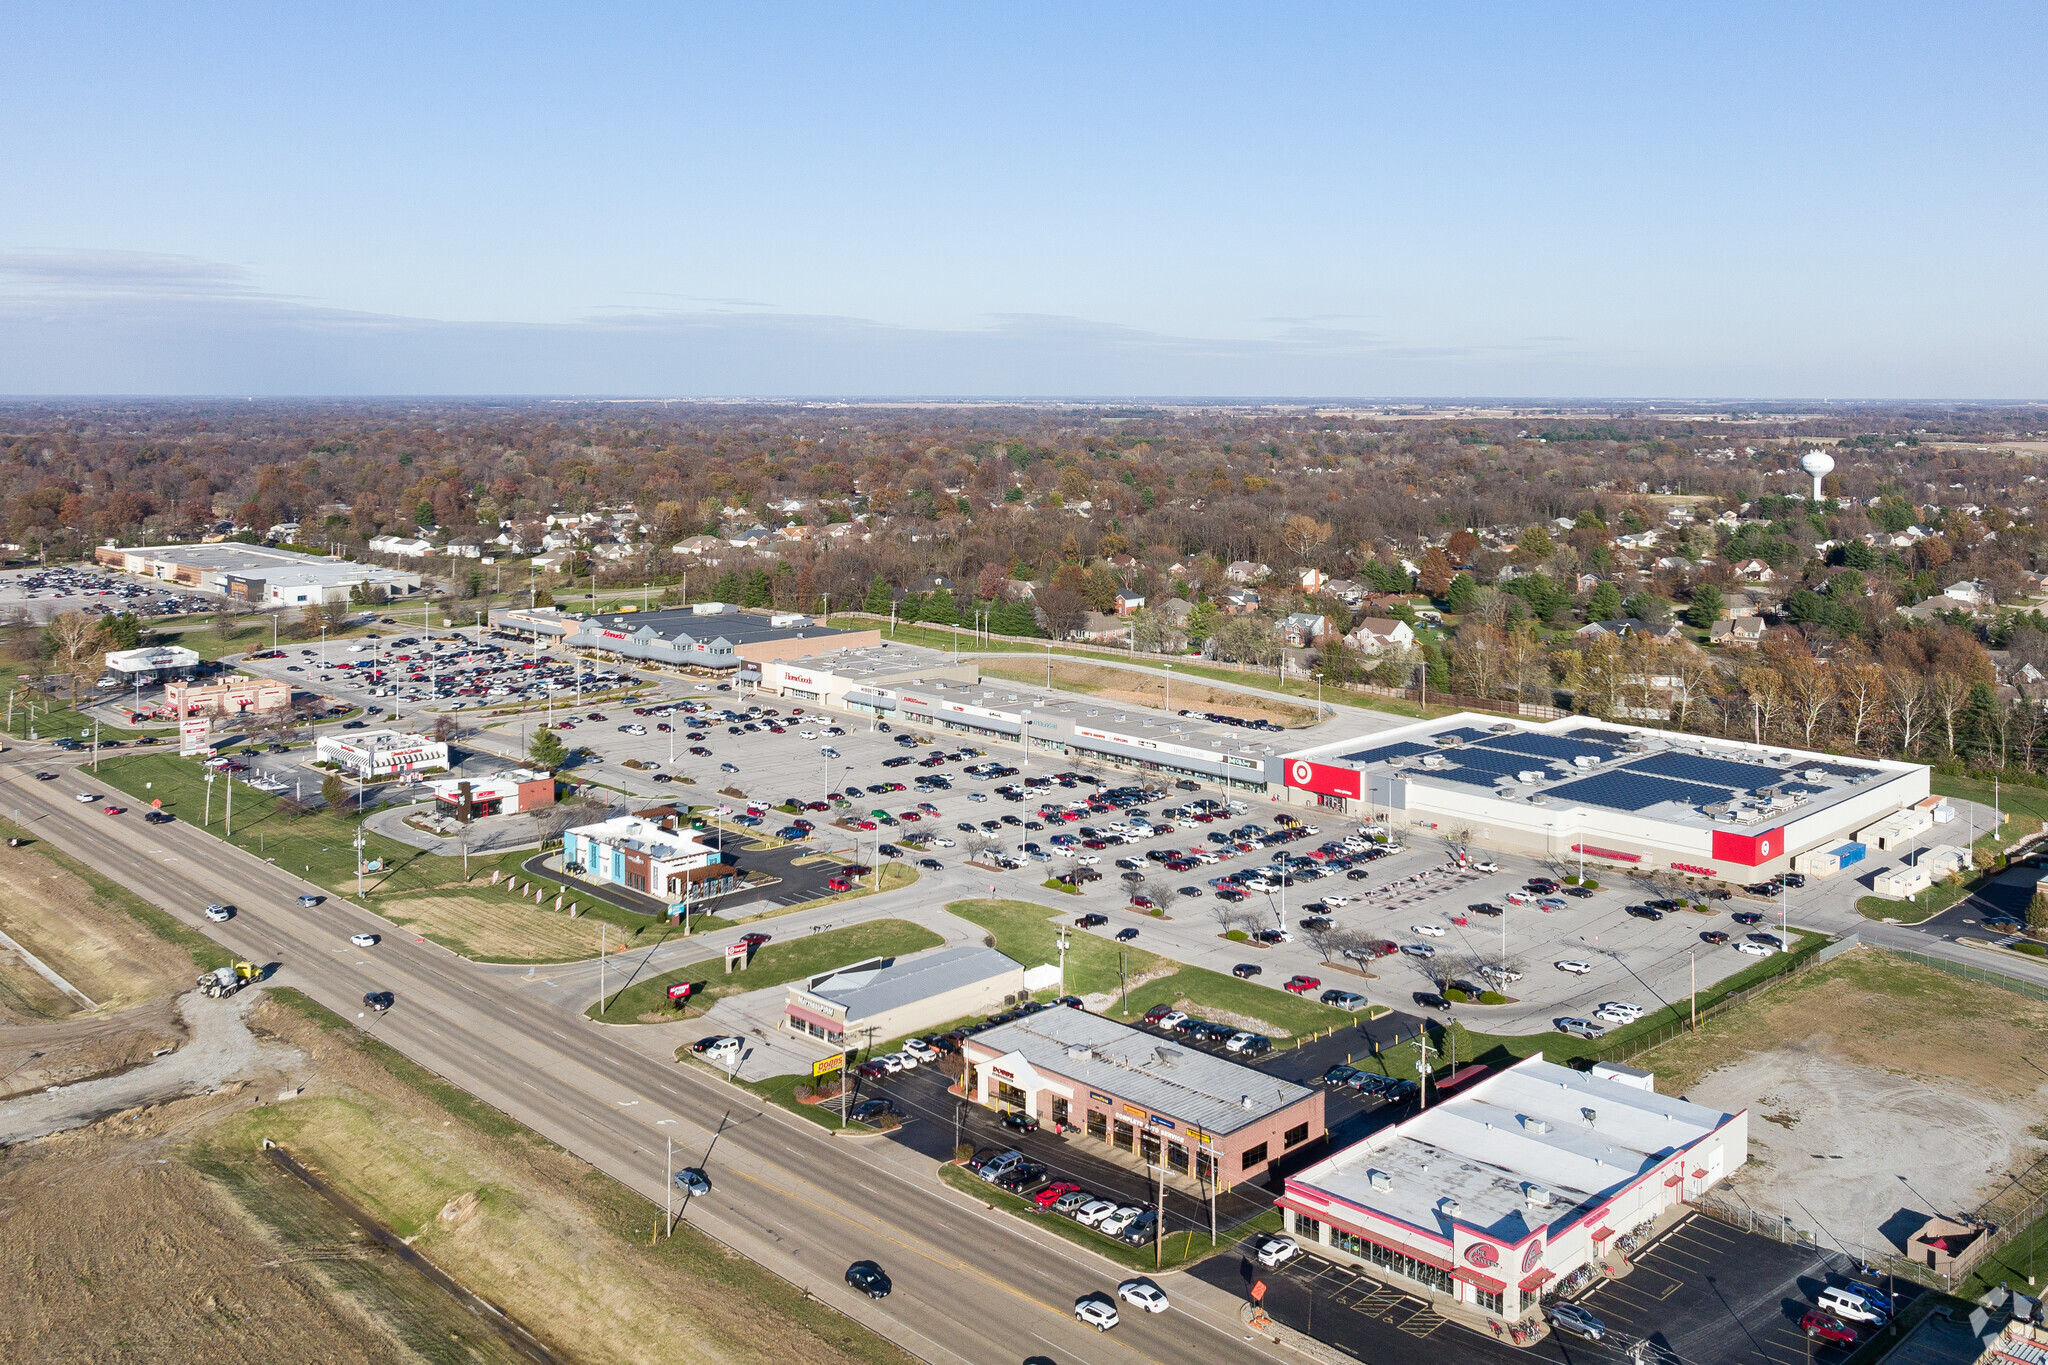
(668, 1187)
(1159, 1222)
(1690, 953)
(229, 818)
(207, 818)
(359, 861)
(1062, 942)
(603, 942)
(1422, 1050)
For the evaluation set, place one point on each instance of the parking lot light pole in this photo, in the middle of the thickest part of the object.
(1695, 993)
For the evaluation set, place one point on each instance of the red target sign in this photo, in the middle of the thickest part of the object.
(1324, 780)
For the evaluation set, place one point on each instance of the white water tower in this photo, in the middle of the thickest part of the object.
(1820, 464)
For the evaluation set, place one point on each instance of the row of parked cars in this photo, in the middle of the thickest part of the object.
(1239, 1043)
(1014, 1171)
(1392, 1089)
(1829, 1321)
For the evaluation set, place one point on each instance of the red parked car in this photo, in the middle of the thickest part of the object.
(754, 940)
(1826, 1327)
(1054, 1192)
(1301, 985)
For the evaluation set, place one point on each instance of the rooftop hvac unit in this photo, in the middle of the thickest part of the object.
(1585, 761)
(1167, 1056)
(1815, 775)
(1080, 1052)
(1379, 1180)
(1447, 1206)
(1508, 793)
(1530, 775)
(1433, 761)
(1535, 1125)
(1536, 1195)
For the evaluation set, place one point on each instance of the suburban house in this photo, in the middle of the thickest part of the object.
(1128, 602)
(1101, 629)
(1629, 625)
(1246, 571)
(1312, 580)
(1754, 571)
(699, 545)
(1971, 592)
(1742, 630)
(1237, 601)
(1380, 635)
(1303, 629)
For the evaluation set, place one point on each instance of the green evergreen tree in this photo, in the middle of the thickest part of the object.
(1463, 594)
(1604, 604)
(727, 588)
(878, 597)
(940, 610)
(911, 608)
(546, 750)
(1707, 605)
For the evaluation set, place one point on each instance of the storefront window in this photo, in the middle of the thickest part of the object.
(1255, 1156)
(1176, 1158)
(1098, 1124)
(1205, 1166)
(1297, 1135)
(1148, 1148)
(1528, 1299)
(1388, 1259)
(1487, 1299)
(1059, 1111)
(1009, 1095)
(1124, 1135)
(1307, 1228)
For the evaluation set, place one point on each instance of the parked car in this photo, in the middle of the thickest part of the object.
(1246, 970)
(1827, 1327)
(1569, 1317)
(1272, 1251)
(1578, 1028)
(1575, 967)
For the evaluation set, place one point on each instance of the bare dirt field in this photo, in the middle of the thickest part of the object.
(165, 1233)
(85, 934)
(1132, 689)
(1864, 1071)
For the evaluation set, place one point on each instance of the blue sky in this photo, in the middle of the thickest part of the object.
(1725, 200)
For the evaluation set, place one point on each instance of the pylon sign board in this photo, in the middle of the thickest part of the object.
(195, 735)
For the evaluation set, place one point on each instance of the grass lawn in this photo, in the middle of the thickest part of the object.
(1457, 1041)
(1182, 1246)
(646, 1001)
(1025, 931)
(205, 953)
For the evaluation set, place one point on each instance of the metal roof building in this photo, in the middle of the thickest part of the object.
(889, 997)
(1517, 1179)
(1196, 1113)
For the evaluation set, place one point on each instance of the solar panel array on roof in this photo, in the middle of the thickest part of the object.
(1464, 734)
(1487, 760)
(1621, 789)
(1803, 789)
(1716, 772)
(1471, 777)
(1405, 749)
(1594, 734)
(1840, 769)
(1550, 746)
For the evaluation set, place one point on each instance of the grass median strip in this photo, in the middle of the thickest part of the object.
(645, 1001)
(1028, 933)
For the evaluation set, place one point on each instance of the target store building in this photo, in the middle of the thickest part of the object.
(1515, 1181)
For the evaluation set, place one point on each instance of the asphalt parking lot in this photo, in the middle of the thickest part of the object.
(46, 592)
(1703, 1294)
(929, 1126)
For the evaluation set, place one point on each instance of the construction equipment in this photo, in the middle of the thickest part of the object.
(223, 981)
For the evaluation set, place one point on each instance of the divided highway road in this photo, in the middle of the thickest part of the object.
(972, 1285)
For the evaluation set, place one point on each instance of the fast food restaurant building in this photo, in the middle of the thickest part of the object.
(1516, 1181)
(1201, 1117)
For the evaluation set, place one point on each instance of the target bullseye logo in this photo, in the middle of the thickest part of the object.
(1303, 772)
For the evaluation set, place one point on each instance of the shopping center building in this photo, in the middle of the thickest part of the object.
(1200, 1116)
(373, 754)
(258, 576)
(708, 637)
(649, 856)
(1521, 1178)
(1575, 789)
(920, 689)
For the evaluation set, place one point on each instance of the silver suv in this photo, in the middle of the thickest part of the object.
(1569, 1317)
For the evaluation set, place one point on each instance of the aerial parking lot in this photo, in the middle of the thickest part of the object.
(48, 591)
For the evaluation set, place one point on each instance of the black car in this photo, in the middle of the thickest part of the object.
(1748, 917)
(869, 1110)
(1714, 936)
(1577, 892)
(1018, 1121)
(1025, 1177)
(158, 817)
(931, 864)
(1126, 935)
(1645, 912)
(1244, 970)
(379, 1000)
(1484, 908)
(1430, 1000)
(869, 1278)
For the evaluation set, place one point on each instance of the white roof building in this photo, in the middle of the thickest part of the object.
(1516, 1179)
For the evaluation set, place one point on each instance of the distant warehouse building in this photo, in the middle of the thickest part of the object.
(261, 576)
(1198, 1115)
(1577, 789)
(710, 636)
(1517, 1180)
(888, 997)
